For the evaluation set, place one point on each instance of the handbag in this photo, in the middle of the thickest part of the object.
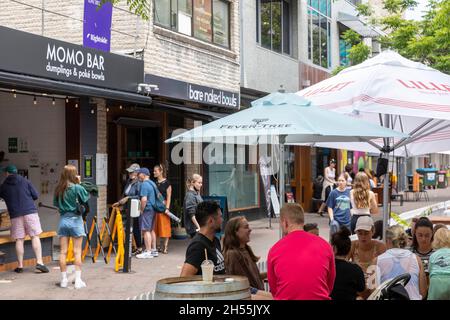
(82, 209)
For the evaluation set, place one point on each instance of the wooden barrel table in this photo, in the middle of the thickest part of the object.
(223, 287)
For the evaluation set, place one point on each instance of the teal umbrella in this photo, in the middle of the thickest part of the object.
(284, 119)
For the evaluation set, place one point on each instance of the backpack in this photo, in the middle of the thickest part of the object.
(159, 205)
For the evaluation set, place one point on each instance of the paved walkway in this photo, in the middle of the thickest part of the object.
(104, 283)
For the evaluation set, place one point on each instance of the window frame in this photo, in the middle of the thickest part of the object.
(310, 12)
(174, 27)
(282, 31)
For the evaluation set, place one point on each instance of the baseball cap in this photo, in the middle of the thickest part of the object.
(144, 171)
(10, 169)
(133, 168)
(364, 223)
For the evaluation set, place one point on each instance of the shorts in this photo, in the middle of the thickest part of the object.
(71, 225)
(25, 225)
(147, 220)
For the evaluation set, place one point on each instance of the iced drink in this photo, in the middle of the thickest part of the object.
(207, 270)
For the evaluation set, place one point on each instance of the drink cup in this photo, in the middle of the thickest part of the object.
(207, 270)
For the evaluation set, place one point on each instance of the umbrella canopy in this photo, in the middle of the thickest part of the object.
(415, 96)
(288, 115)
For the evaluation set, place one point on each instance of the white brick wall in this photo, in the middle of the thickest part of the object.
(165, 55)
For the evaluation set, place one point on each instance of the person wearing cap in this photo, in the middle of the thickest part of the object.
(131, 191)
(364, 250)
(147, 218)
(19, 195)
(329, 182)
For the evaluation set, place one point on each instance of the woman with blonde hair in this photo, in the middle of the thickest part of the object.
(163, 229)
(69, 194)
(439, 266)
(191, 200)
(397, 261)
(362, 199)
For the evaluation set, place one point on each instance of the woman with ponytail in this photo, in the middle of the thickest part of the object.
(397, 261)
(349, 276)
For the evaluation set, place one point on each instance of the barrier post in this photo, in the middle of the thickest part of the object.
(120, 240)
(128, 239)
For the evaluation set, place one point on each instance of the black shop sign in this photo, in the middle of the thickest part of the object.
(29, 54)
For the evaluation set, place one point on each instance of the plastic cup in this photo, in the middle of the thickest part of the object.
(207, 270)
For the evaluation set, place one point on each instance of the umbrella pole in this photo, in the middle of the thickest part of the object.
(386, 211)
(281, 179)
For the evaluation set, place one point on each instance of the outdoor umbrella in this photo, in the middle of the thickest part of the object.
(289, 119)
(396, 93)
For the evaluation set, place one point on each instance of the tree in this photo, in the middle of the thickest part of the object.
(358, 51)
(139, 7)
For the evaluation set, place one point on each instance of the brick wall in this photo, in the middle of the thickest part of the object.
(166, 53)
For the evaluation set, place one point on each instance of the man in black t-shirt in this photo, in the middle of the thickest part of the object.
(209, 217)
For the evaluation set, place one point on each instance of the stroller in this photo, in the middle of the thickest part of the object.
(393, 289)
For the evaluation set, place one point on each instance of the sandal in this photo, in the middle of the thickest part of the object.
(165, 251)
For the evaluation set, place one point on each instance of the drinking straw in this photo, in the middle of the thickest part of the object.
(206, 254)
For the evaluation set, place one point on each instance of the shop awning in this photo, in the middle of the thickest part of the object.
(194, 113)
(357, 25)
(67, 88)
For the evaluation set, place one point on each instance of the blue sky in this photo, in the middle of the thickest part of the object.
(417, 13)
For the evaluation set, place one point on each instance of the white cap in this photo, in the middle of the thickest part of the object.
(364, 223)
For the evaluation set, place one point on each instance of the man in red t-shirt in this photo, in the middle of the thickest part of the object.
(301, 265)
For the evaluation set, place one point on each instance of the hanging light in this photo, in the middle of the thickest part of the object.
(120, 107)
(92, 111)
(34, 100)
(67, 99)
(107, 109)
(76, 105)
(14, 93)
(53, 101)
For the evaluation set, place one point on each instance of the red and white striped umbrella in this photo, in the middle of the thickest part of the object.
(415, 97)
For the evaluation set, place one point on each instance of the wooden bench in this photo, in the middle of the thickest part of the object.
(8, 259)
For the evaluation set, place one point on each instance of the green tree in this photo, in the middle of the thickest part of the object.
(358, 51)
(139, 7)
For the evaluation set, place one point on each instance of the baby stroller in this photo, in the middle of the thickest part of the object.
(393, 289)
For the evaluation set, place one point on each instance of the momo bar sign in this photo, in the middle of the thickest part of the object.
(188, 91)
(29, 54)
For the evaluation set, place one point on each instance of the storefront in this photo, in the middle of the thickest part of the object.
(54, 101)
(187, 105)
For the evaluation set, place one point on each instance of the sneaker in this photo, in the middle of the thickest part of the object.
(41, 268)
(144, 255)
(18, 270)
(79, 284)
(155, 253)
(64, 283)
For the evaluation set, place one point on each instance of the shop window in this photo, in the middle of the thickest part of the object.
(343, 53)
(207, 20)
(274, 29)
(238, 182)
(319, 33)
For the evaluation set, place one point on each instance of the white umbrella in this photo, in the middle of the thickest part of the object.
(397, 93)
(288, 118)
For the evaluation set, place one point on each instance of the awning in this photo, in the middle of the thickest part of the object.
(194, 113)
(64, 88)
(357, 25)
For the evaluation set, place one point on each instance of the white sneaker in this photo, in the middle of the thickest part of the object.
(64, 283)
(154, 253)
(79, 284)
(144, 255)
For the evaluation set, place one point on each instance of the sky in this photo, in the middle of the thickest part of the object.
(417, 13)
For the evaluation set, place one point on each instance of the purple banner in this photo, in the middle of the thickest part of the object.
(97, 25)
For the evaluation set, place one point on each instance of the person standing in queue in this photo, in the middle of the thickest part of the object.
(209, 217)
(19, 195)
(163, 229)
(191, 201)
(362, 199)
(131, 191)
(329, 182)
(68, 195)
(292, 272)
(147, 217)
(338, 204)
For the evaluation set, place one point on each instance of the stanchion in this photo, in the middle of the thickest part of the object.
(118, 226)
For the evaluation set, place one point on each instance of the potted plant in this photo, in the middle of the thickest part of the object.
(178, 232)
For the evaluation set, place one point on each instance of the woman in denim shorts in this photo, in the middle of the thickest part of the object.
(68, 194)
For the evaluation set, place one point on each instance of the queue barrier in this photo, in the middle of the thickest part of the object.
(103, 235)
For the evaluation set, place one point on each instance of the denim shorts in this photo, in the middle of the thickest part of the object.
(147, 220)
(71, 225)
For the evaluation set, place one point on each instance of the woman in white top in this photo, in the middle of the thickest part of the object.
(397, 261)
(329, 181)
(362, 199)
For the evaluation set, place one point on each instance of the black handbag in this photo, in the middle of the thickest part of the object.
(82, 208)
